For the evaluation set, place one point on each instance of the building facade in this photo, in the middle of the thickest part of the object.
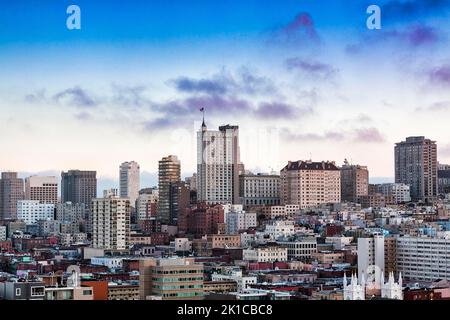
(354, 182)
(416, 166)
(259, 189)
(43, 189)
(31, 211)
(111, 223)
(309, 184)
(11, 191)
(168, 178)
(78, 186)
(129, 181)
(218, 163)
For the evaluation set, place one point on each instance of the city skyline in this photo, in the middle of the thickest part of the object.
(327, 85)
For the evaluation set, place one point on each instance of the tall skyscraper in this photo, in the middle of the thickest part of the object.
(78, 186)
(168, 176)
(11, 191)
(111, 223)
(129, 181)
(416, 166)
(308, 184)
(218, 164)
(354, 182)
(42, 189)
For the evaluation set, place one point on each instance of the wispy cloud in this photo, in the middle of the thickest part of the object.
(75, 96)
(313, 68)
(358, 135)
(440, 75)
(301, 31)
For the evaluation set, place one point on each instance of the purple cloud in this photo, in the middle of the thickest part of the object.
(440, 75)
(297, 32)
(360, 135)
(275, 110)
(310, 67)
(368, 135)
(216, 86)
(75, 96)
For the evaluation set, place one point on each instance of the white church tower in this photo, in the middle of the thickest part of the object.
(354, 291)
(391, 289)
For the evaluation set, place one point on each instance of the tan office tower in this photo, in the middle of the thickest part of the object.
(170, 279)
(416, 166)
(129, 181)
(354, 182)
(111, 223)
(169, 175)
(11, 191)
(309, 184)
(42, 189)
(218, 165)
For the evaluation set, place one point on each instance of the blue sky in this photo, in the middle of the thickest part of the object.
(308, 74)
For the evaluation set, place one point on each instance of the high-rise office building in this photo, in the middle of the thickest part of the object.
(129, 181)
(111, 223)
(43, 189)
(416, 166)
(354, 182)
(11, 191)
(169, 169)
(308, 184)
(218, 164)
(78, 186)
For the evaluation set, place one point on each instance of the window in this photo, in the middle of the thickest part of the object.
(18, 291)
(37, 291)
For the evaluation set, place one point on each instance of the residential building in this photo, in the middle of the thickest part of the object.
(416, 166)
(309, 184)
(237, 219)
(423, 258)
(259, 189)
(168, 178)
(354, 182)
(266, 253)
(111, 223)
(30, 211)
(129, 181)
(11, 191)
(400, 191)
(301, 249)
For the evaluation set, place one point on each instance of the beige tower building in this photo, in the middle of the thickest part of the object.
(308, 184)
(218, 165)
(111, 223)
(42, 189)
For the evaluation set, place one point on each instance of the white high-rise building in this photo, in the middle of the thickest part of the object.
(43, 189)
(218, 165)
(146, 205)
(111, 223)
(129, 181)
(31, 211)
